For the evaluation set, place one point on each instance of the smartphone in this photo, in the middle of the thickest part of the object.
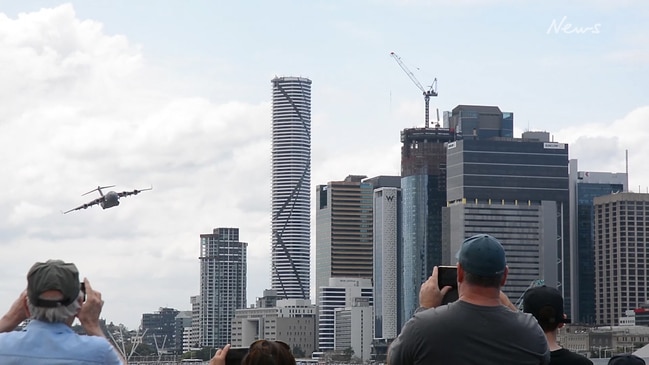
(235, 355)
(83, 290)
(447, 276)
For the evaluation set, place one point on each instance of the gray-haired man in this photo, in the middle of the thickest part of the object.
(52, 301)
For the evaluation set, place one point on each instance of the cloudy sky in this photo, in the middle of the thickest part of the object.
(176, 94)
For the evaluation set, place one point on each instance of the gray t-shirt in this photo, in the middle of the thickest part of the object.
(461, 333)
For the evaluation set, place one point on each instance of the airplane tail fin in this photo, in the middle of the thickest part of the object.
(99, 190)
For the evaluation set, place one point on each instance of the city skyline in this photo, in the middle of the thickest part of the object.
(177, 96)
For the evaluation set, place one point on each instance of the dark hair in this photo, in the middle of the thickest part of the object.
(484, 281)
(626, 359)
(264, 352)
(546, 318)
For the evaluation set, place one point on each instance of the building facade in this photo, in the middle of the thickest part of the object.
(195, 333)
(353, 329)
(291, 181)
(223, 284)
(584, 187)
(159, 330)
(387, 238)
(183, 330)
(292, 321)
(621, 252)
(423, 192)
(340, 293)
(480, 122)
(344, 241)
(517, 191)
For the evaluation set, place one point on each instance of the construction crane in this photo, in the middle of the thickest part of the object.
(432, 91)
(534, 283)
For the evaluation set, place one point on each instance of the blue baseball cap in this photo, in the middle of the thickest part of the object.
(482, 255)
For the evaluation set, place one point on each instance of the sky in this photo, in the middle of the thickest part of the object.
(177, 95)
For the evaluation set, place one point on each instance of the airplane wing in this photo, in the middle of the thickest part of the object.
(134, 192)
(84, 206)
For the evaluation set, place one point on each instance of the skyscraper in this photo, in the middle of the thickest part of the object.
(517, 191)
(343, 230)
(621, 252)
(387, 239)
(584, 187)
(291, 180)
(423, 190)
(223, 284)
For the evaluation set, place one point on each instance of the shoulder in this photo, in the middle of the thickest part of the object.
(563, 356)
(98, 348)
(94, 342)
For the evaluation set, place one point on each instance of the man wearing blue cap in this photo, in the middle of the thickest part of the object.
(476, 329)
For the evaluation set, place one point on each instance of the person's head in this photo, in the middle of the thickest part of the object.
(546, 305)
(264, 352)
(53, 291)
(482, 262)
(626, 359)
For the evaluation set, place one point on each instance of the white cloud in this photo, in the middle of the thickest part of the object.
(79, 110)
(602, 147)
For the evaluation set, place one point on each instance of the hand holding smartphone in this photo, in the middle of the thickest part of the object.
(235, 355)
(447, 276)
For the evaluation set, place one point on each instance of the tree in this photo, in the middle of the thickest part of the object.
(298, 352)
(348, 352)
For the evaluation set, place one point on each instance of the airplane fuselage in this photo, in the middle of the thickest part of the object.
(111, 199)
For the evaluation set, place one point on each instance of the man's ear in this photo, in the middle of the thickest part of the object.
(504, 280)
(460, 273)
(26, 307)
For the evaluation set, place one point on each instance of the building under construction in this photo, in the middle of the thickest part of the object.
(423, 186)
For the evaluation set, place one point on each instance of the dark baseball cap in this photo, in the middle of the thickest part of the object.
(53, 275)
(537, 298)
(482, 255)
(626, 359)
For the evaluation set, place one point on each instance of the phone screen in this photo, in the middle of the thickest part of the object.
(447, 276)
(235, 355)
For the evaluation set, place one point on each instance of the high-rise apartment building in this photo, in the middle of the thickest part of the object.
(517, 191)
(387, 238)
(584, 187)
(621, 253)
(223, 284)
(291, 180)
(343, 229)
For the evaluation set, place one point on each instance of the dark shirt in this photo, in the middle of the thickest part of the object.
(462, 333)
(565, 357)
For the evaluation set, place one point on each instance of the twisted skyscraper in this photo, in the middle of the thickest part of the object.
(291, 174)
